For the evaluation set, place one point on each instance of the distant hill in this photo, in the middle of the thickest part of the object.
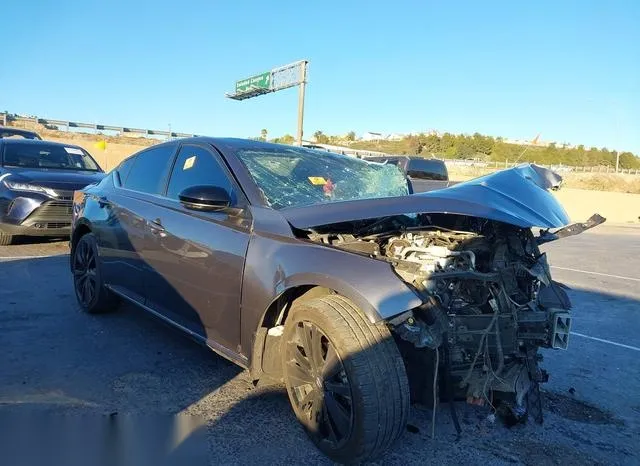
(486, 148)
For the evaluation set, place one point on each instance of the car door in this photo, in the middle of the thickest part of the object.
(195, 258)
(123, 235)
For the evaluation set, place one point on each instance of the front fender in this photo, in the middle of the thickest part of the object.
(377, 304)
(277, 264)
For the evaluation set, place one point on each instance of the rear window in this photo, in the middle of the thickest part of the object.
(427, 169)
(52, 157)
(124, 168)
(150, 170)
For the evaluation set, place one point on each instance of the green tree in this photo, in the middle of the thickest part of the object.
(320, 137)
(495, 149)
(432, 144)
(628, 160)
(286, 139)
(263, 134)
(351, 136)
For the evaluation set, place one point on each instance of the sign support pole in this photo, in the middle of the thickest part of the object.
(303, 81)
(278, 79)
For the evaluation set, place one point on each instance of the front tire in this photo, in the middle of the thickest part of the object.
(91, 293)
(345, 379)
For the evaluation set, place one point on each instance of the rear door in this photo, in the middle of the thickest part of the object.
(195, 259)
(139, 182)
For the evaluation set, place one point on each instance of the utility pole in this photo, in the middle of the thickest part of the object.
(303, 82)
(617, 160)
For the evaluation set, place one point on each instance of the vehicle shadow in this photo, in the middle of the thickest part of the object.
(123, 367)
(25, 240)
(129, 381)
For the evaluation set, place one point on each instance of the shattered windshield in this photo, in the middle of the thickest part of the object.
(294, 177)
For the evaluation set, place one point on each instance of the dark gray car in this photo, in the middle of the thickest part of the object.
(37, 181)
(10, 132)
(320, 270)
(422, 174)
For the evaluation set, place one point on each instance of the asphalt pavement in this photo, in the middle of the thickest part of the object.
(61, 367)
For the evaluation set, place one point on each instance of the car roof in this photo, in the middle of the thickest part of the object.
(18, 132)
(36, 142)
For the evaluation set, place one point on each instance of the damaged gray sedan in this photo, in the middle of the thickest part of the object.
(325, 272)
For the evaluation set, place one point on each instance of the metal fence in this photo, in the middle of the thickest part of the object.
(555, 167)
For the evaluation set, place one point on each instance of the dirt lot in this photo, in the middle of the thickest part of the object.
(60, 365)
(621, 182)
(580, 204)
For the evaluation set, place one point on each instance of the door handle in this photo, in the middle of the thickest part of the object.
(156, 227)
(103, 201)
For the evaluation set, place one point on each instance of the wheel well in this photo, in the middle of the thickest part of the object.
(265, 359)
(278, 312)
(78, 233)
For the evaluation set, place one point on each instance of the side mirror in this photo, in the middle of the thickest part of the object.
(205, 198)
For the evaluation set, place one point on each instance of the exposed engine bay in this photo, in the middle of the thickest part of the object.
(489, 304)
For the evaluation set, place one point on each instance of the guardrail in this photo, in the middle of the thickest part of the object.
(7, 117)
(342, 150)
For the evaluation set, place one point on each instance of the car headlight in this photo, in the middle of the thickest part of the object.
(16, 186)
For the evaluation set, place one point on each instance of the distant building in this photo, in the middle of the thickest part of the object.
(526, 142)
(369, 136)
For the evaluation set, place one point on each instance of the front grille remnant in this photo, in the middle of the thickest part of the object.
(51, 212)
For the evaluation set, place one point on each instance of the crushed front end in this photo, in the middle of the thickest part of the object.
(489, 304)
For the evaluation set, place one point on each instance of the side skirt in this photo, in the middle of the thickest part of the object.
(216, 347)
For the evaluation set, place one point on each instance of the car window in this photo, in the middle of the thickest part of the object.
(427, 169)
(49, 156)
(150, 169)
(124, 168)
(196, 166)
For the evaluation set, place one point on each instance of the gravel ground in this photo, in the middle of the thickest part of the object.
(63, 371)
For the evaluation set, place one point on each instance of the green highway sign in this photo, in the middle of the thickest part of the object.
(260, 81)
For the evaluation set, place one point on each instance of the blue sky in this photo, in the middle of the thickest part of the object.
(569, 70)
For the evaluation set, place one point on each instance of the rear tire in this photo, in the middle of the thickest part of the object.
(345, 379)
(91, 293)
(5, 239)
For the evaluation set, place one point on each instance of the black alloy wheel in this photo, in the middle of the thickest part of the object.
(321, 393)
(91, 292)
(345, 378)
(85, 273)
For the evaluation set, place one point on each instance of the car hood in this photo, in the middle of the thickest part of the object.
(69, 180)
(518, 196)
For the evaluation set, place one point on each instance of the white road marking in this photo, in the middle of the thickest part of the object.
(602, 340)
(596, 273)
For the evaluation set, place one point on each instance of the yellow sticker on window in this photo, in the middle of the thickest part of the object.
(317, 180)
(189, 163)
